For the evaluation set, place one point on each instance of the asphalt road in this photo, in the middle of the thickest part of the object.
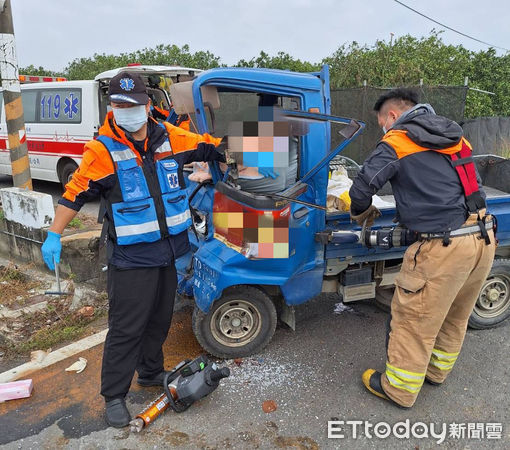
(313, 375)
(54, 189)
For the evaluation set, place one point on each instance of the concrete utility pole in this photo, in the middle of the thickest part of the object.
(17, 141)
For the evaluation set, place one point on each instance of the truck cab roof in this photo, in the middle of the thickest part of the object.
(260, 78)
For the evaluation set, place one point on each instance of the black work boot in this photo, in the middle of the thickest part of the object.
(372, 381)
(155, 380)
(433, 383)
(117, 414)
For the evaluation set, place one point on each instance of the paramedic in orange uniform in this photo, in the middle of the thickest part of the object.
(135, 165)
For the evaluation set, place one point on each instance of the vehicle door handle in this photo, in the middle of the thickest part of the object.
(301, 212)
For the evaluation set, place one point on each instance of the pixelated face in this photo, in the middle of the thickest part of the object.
(260, 143)
(257, 234)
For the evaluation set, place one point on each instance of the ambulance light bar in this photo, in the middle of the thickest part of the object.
(38, 79)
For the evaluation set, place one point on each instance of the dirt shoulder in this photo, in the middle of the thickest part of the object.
(33, 320)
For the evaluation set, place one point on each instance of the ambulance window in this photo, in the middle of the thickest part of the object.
(59, 105)
(158, 98)
(104, 105)
(29, 100)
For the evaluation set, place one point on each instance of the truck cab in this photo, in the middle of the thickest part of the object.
(254, 252)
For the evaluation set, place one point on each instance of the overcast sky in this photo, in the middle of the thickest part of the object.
(51, 33)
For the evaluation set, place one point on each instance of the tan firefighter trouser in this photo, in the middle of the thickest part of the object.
(435, 293)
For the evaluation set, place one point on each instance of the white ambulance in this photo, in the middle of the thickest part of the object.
(61, 116)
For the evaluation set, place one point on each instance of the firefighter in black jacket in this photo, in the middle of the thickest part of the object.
(438, 195)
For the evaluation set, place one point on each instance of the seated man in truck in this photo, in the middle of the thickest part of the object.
(267, 134)
(263, 179)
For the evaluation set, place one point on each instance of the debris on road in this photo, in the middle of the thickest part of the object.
(15, 390)
(263, 375)
(269, 406)
(342, 307)
(78, 366)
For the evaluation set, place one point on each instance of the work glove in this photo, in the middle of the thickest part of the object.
(370, 214)
(268, 172)
(51, 250)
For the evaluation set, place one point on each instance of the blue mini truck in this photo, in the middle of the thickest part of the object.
(256, 255)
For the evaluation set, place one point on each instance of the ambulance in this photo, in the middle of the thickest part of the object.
(61, 116)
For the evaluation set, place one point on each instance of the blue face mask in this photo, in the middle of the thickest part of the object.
(131, 119)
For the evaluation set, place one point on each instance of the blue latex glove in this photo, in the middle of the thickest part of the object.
(268, 172)
(51, 250)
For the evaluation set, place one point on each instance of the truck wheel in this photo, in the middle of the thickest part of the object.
(493, 304)
(239, 324)
(383, 297)
(66, 172)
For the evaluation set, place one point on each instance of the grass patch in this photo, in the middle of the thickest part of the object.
(2, 214)
(69, 328)
(47, 338)
(15, 286)
(76, 223)
(10, 273)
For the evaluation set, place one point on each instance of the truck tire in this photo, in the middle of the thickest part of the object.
(383, 298)
(66, 172)
(493, 304)
(240, 323)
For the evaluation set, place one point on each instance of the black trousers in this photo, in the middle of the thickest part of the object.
(141, 303)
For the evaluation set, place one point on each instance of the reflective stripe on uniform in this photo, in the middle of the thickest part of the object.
(165, 147)
(131, 230)
(123, 155)
(178, 219)
(443, 360)
(404, 379)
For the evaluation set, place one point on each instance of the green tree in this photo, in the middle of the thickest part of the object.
(282, 61)
(409, 60)
(491, 73)
(88, 68)
(405, 61)
(39, 71)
